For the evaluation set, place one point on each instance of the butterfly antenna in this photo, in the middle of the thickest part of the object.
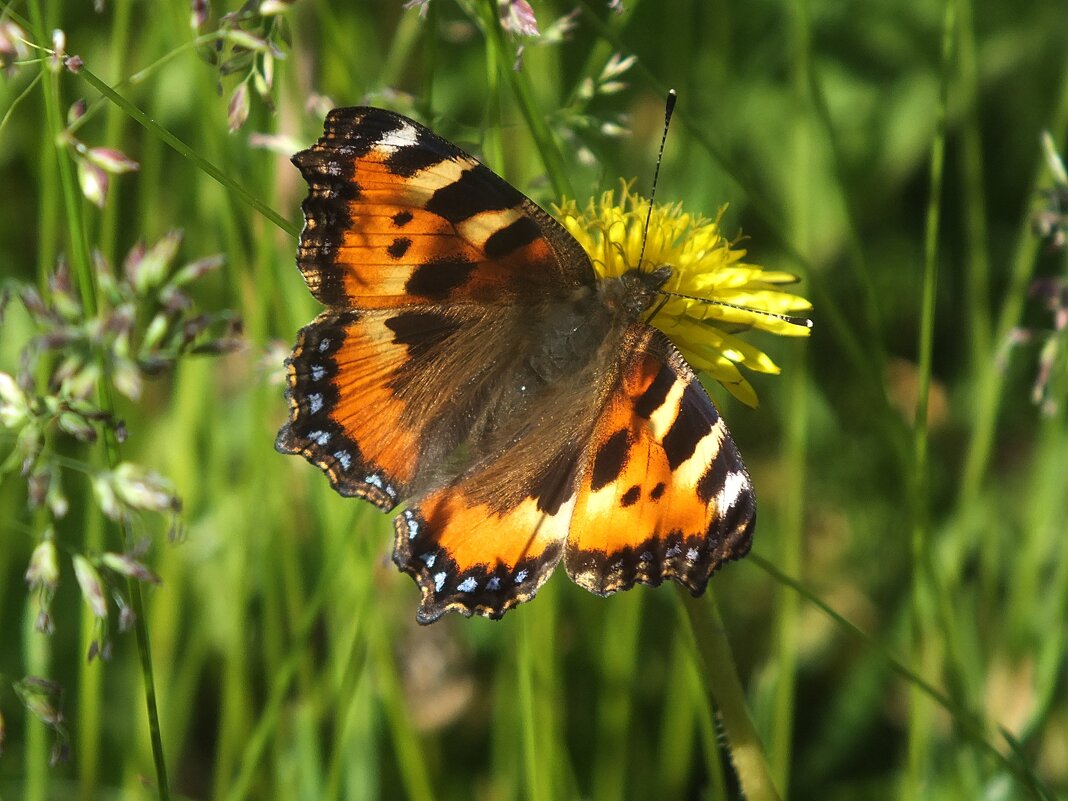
(669, 108)
(804, 322)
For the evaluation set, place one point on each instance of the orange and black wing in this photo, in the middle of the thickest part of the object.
(470, 557)
(488, 539)
(664, 493)
(397, 216)
(431, 267)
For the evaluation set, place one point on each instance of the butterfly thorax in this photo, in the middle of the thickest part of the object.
(571, 333)
(635, 291)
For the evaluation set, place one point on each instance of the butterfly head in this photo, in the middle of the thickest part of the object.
(639, 289)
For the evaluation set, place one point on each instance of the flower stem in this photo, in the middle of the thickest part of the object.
(724, 688)
(532, 764)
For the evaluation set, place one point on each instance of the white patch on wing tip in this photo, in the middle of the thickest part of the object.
(315, 402)
(468, 585)
(733, 486)
(439, 581)
(405, 136)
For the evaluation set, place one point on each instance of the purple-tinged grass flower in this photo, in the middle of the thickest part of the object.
(518, 17)
(127, 566)
(238, 109)
(12, 46)
(43, 699)
(92, 586)
(199, 14)
(43, 571)
(14, 404)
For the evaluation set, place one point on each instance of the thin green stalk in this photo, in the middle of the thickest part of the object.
(857, 261)
(345, 694)
(1037, 599)
(90, 679)
(977, 261)
(86, 282)
(533, 766)
(38, 650)
(923, 579)
(678, 724)
(551, 156)
(411, 31)
(18, 100)
(506, 761)
(114, 122)
(724, 687)
(787, 605)
(188, 153)
(492, 140)
(79, 244)
(619, 662)
(711, 738)
(90, 719)
(988, 394)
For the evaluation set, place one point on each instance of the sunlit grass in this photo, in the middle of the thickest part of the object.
(285, 654)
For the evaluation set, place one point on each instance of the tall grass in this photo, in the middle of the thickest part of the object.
(900, 631)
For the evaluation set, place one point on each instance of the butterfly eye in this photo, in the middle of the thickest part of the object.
(660, 276)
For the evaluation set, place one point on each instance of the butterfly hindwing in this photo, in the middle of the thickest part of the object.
(470, 558)
(488, 539)
(398, 216)
(664, 493)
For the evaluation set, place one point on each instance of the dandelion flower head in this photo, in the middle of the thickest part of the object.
(715, 293)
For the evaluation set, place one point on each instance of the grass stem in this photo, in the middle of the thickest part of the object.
(724, 688)
(923, 579)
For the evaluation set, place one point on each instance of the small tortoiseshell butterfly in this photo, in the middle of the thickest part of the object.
(472, 363)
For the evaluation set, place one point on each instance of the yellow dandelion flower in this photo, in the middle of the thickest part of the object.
(712, 293)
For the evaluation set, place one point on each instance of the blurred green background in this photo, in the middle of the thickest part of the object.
(287, 659)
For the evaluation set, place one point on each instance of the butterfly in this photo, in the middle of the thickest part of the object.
(471, 363)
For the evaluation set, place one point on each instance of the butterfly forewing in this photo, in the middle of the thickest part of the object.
(398, 216)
